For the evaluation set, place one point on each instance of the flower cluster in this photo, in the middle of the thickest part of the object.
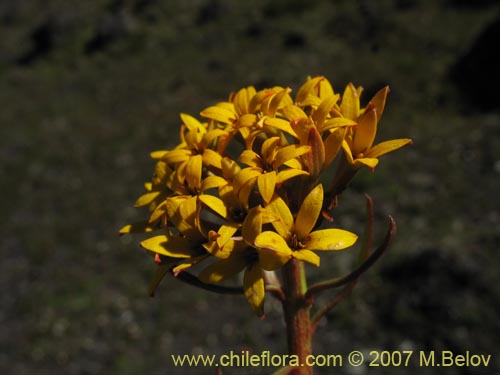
(243, 192)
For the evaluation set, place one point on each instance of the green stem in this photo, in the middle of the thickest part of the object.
(297, 315)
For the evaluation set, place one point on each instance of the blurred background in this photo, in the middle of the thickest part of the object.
(89, 88)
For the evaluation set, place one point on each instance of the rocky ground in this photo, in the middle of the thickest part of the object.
(89, 88)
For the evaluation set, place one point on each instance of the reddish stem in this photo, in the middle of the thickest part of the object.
(297, 315)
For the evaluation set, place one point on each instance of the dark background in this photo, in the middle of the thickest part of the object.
(89, 88)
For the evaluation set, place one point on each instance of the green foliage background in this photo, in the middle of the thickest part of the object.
(89, 88)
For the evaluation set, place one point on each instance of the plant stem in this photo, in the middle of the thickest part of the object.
(297, 315)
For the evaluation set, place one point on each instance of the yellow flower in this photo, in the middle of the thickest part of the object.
(236, 255)
(265, 168)
(296, 236)
(192, 154)
(358, 143)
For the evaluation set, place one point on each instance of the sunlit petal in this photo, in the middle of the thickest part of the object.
(350, 102)
(215, 204)
(146, 199)
(307, 88)
(306, 256)
(220, 114)
(284, 219)
(171, 246)
(193, 172)
(330, 239)
(292, 112)
(266, 183)
(365, 132)
(287, 174)
(309, 212)
(192, 123)
(176, 156)
(333, 143)
(213, 182)
(252, 225)
(273, 250)
(250, 158)
(337, 122)
(387, 146)
(378, 101)
(280, 124)
(289, 152)
(320, 115)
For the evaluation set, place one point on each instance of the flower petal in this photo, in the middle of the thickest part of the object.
(266, 183)
(157, 155)
(176, 156)
(253, 285)
(309, 212)
(193, 171)
(250, 158)
(319, 116)
(292, 112)
(187, 263)
(215, 204)
(219, 113)
(287, 174)
(171, 246)
(211, 182)
(280, 124)
(333, 143)
(315, 159)
(192, 123)
(306, 256)
(365, 162)
(252, 225)
(269, 147)
(225, 232)
(244, 176)
(387, 146)
(289, 152)
(146, 199)
(242, 99)
(284, 219)
(158, 212)
(307, 88)
(337, 122)
(273, 250)
(350, 102)
(330, 239)
(365, 132)
(378, 101)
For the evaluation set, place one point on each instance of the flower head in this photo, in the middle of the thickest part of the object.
(242, 190)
